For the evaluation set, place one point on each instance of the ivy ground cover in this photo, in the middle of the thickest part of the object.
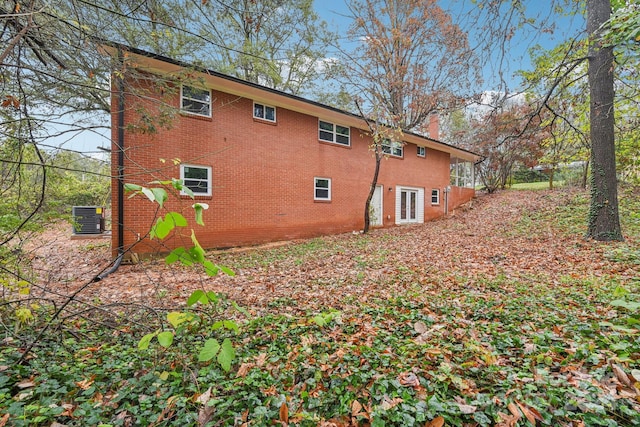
(499, 315)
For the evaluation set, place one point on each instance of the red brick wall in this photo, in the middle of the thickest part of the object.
(263, 177)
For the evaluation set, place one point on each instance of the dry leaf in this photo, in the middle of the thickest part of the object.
(284, 413)
(514, 410)
(532, 414)
(388, 403)
(408, 379)
(420, 327)
(85, 384)
(436, 422)
(206, 412)
(244, 369)
(620, 374)
(3, 420)
(26, 384)
(356, 408)
(204, 397)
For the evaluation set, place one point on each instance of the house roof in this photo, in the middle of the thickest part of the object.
(151, 62)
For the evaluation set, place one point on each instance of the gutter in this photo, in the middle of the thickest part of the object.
(120, 187)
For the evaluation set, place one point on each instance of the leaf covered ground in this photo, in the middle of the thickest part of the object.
(501, 314)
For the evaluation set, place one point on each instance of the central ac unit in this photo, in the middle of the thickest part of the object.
(88, 219)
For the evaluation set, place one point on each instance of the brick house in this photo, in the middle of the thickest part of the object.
(271, 166)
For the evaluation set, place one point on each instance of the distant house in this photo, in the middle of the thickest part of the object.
(271, 166)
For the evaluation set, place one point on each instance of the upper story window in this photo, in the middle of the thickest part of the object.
(393, 148)
(195, 101)
(331, 132)
(422, 152)
(264, 112)
(196, 179)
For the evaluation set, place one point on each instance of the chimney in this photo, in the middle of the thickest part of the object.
(434, 126)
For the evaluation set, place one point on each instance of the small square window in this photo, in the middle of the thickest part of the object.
(435, 196)
(197, 179)
(264, 112)
(393, 148)
(196, 101)
(422, 152)
(322, 189)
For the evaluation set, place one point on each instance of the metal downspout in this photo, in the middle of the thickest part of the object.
(120, 187)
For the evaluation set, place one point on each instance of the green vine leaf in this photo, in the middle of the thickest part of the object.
(178, 254)
(210, 268)
(144, 342)
(199, 209)
(209, 350)
(177, 218)
(226, 355)
(197, 296)
(165, 338)
(177, 318)
(160, 195)
(132, 187)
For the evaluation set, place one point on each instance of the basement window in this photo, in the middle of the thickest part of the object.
(435, 196)
(197, 179)
(322, 189)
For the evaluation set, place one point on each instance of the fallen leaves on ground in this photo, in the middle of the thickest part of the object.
(491, 316)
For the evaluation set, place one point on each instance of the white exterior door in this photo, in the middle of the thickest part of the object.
(375, 208)
(409, 205)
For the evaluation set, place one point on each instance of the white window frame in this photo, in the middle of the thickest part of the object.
(265, 107)
(422, 151)
(462, 173)
(197, 101)
(332, 135)
(208, 180)
(392, 148)
(316, 188)
(435, 196)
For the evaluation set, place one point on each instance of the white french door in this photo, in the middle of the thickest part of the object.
(409, 205)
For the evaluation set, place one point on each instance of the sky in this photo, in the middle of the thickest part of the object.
(335, 13)
(517, 58)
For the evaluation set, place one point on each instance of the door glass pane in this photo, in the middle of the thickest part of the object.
(403, 205)
(414, 196)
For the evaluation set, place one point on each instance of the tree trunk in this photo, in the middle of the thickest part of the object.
(604, 221)
(374, 183)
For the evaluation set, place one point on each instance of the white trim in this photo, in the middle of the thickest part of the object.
(419, 205)
(334, 133)
(206, 103)
(264, 112)
(437, 195)
(393, 148)
(376, 215)
(208, 180)
(316, 188)
(423, 150)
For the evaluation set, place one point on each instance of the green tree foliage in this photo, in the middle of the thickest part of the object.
(277, 43)
(558, 89)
